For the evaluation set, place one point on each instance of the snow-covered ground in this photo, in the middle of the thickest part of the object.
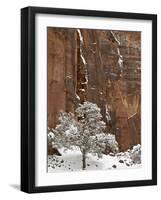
(72, 161)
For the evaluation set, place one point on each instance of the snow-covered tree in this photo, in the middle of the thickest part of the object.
(84, 130)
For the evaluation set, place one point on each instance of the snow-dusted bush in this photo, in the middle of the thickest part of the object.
(110, 142)
(50, 138)
(84, 130)
(135, 154)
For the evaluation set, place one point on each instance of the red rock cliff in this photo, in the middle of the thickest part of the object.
(98, 66)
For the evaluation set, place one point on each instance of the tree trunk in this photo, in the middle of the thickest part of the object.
(84, 160)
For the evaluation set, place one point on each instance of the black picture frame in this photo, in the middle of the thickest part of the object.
(28, 98)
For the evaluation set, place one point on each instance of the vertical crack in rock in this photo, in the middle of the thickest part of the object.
(108, 117)
(82, 57)
(82, 73)
(120, 60)
(120, 63)
(120, 57)
(118, 42)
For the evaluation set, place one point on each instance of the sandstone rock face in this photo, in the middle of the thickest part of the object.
(100, 66)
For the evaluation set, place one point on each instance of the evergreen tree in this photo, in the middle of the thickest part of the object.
(84, 130)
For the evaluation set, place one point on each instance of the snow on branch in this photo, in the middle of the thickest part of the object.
(85, 129)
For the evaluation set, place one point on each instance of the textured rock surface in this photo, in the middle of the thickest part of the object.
(98, 66)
